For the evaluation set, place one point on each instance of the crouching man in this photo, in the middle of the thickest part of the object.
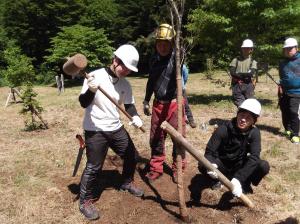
(234, 148)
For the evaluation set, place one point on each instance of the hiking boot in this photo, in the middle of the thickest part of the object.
(192, 124)
(218, 185)
(132, 189)
(88, 209)
(295, 140)
(153, 176)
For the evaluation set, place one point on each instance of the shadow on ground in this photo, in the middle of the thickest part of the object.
(289, 220)
(108, 179)
(157, 198)
(201, 182)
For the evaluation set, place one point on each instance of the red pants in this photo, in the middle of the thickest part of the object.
(163, 112)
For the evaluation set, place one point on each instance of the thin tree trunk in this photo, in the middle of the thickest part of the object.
(180, 152)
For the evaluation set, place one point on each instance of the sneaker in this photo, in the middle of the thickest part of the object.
(192, 124)
(132, 189)
(217, 185)
(295, 140)
(88, 209)
(153, 176)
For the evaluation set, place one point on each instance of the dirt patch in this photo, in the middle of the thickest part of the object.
(36, 167)
(160, 204)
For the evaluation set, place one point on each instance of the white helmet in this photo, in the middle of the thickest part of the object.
(247, 43)
(251, 105)
(290, 42)
(129, 56)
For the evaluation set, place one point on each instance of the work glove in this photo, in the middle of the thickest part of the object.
(237, 187)
(213, 174)
(136, 121)
(146, 108)
(92, 84)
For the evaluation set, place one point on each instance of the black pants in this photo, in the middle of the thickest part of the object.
(261, 170)
(289, 107)
(97, 144)
(241, 92)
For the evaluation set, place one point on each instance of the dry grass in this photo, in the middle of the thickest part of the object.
(36, 167)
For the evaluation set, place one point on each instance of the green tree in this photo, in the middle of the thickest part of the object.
(33, 22)
(19, 69)
(219, 26)
(3, 45)
(31, 109)
(79, 39)
(100, 14)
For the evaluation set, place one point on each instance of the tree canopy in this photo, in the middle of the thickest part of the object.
(219, 27)
(48, 31)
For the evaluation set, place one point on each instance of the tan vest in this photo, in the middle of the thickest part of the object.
(243, 65)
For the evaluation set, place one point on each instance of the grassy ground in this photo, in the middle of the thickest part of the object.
(36, 184)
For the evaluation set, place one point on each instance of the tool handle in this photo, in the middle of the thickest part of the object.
(115, 103)
(81, 141)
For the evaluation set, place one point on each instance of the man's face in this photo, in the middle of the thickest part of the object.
(119, 68)
(246, 51)
(163, 47)
(245, 120)
(289, 52)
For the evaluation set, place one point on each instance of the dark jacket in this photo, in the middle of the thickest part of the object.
(162, 78)
(237, 151)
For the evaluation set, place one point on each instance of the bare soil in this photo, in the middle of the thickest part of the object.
(36, 167)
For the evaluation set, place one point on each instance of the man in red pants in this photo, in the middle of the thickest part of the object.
(162, 82)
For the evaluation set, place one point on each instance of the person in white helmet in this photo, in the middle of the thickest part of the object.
(234, 148)
(289, 101)
(103, 128)
(243, 70)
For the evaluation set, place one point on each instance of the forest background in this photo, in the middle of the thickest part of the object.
(37, 36)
